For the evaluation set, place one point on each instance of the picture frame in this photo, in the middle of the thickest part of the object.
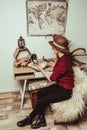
(46, 17)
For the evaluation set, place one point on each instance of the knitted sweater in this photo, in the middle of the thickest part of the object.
(63, 72)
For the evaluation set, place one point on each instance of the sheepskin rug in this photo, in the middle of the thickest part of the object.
(70, 110)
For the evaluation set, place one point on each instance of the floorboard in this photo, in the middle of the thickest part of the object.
(10, 113)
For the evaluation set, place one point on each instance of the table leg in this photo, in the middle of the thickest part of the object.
(23, 92)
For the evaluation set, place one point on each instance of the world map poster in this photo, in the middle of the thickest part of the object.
(46, 17)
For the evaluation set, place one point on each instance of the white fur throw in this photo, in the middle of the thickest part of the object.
(70, 110)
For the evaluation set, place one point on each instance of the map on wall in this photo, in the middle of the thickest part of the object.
(46, 16)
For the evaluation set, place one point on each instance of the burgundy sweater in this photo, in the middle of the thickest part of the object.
(63, 73)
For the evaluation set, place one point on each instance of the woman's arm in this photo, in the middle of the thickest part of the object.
(44, 73)
(51, 64)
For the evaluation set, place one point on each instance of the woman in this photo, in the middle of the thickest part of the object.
(61, 90)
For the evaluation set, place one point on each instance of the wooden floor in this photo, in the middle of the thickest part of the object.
(10, 113)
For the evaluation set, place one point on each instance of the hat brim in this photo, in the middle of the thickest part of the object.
(57, 48)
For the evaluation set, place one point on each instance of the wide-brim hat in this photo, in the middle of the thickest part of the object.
(59, 42)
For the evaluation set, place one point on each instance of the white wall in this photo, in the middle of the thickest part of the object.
(13, 24)
(76, 29)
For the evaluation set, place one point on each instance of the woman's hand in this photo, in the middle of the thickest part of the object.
(51, 64)
(39, 67)
(42, 66)
(44, 73)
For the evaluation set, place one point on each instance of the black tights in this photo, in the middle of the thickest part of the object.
(51, 94)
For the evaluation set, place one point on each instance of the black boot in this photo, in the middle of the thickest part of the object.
(39, 122)
(24, 122)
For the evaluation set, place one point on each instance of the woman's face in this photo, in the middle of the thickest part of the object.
(55, 51)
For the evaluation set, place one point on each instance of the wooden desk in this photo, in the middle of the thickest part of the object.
(26, 73)
(23, 73)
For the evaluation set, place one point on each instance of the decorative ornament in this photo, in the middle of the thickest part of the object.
(73, 56)
(21, 42)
